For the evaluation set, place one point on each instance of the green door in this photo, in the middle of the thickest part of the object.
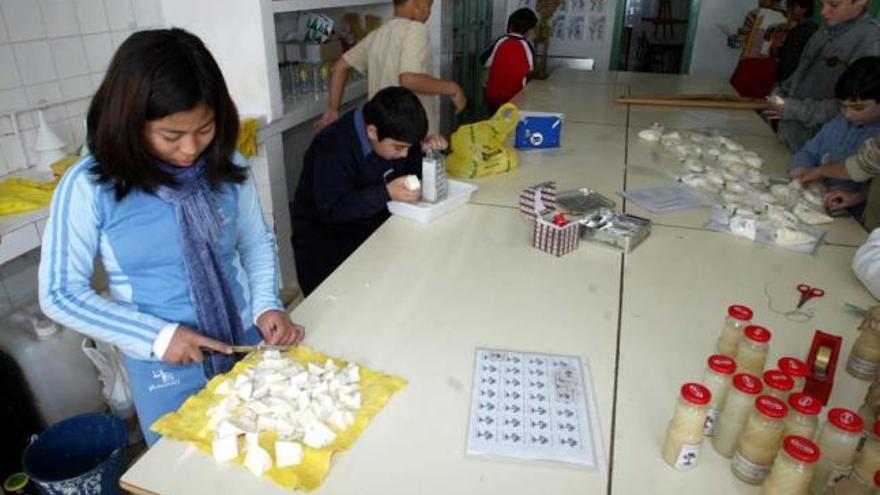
(471, 33)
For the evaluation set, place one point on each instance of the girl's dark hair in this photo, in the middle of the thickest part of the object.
(521, 21)
(398, 114)
(860, 81)
(807, 5)
(154, 74)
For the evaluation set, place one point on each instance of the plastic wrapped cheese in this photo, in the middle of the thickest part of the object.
(650, 135)
(809, 215)
(791, 237)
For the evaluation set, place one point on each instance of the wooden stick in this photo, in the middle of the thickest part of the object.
(697, 101)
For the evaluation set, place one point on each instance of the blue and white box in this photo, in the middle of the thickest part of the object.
(539, 130)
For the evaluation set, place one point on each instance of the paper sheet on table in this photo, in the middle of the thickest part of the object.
(534, 406)
(190, 422)
(664, 199)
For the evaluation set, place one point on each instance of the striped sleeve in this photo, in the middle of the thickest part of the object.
(70, 244)
(256, 246)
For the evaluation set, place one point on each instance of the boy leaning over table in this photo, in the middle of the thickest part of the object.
(848, 34)
(351, 170)
(858, 93)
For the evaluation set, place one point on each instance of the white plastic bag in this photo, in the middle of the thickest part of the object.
(116, 388)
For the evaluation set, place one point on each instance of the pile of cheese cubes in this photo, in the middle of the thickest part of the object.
(303, 405)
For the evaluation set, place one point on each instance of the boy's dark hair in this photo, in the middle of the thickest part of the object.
(398, 114)
(154, 74)
(521, 21)
(860, 81)
(400, 2)
(807, 5)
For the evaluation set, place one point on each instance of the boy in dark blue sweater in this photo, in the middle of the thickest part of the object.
(350, 171)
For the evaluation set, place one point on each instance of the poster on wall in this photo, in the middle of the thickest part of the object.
(580, 28)
(598, 25)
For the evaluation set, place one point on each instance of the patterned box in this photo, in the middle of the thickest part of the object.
(538, 200)
(556, 239)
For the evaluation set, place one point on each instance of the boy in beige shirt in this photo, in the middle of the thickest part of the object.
(396, 54)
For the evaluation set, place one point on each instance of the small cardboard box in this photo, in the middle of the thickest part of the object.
(539, 130)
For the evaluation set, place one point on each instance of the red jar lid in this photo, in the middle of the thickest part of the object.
(802, 449)
(877, 478)
(722, 364)
(846, 420)
(877, 428)
(793, 366)
(747, 383)
(771, 406)
(805, 403)
(696, 394)
(778, 380)
(740, 312)
(757, 334)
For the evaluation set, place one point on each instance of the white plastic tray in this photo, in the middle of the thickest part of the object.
(459, 194)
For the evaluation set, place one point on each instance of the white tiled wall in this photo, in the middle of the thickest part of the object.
(58, 51)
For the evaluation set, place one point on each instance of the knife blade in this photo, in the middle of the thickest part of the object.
(244, 349)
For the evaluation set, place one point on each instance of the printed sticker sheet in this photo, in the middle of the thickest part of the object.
(535, 407)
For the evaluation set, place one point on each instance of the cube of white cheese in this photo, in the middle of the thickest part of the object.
(330, 366)
(245, 390)
(318, 435)
(352, 401)
(224, 388)
(251, 439)
(225, 449)
(261, 391)
(257, 460)
(339, 419)
(265, 422)
(353, 373)
(278, 389)
(288, 453)
(315, 370)
(274, 377)
(299, 379)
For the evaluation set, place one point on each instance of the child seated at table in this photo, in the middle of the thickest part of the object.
(509, 59)
(858, 92)
(351, 170)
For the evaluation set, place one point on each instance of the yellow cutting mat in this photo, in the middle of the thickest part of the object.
(190, 422)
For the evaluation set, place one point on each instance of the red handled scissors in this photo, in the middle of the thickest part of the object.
(808, 293)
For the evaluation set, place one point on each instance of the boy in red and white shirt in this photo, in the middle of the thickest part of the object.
(510, 58)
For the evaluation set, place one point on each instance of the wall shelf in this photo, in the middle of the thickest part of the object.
(279, 6)
(307, 108)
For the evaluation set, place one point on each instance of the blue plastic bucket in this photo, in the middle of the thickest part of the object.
(81, 455)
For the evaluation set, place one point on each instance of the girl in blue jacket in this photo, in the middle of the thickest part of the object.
(169, 209)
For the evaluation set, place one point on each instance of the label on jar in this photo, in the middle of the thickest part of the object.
(687, 457)
(711, 422)
(748, 469)
(863, 366)
(837, 473)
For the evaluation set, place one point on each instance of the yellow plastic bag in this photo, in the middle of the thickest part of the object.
(480, 149)
(190, 422)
